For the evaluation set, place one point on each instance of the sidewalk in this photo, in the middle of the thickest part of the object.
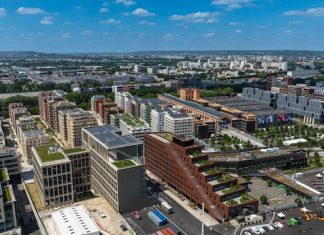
(208, 220)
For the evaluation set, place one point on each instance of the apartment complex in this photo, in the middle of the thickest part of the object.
(8, 219)
(157, 119)
(32, 138)
(70, 123)
(46, 100)
(133, 126)
(53, 175)
(10, 161)
(178, 122)
(105, 108)
(117, 167)
(61, 105)
(181, 164)
(16, 110)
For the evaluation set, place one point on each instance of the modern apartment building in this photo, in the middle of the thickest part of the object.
(8, 218)
(180, 163)
(178, 122)
(105, 108)
(2, 137)
(10, 161)
(56, 107)
(117, 167)
(71, 121)
(53, 175)
(16, 110)
(46, 100)
(157, 119)
(24, 123)
(32, 138)
(133, 126)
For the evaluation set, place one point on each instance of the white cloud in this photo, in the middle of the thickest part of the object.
(41, 34)
(147, 23)
(236, 24)
(110, 21)
(47, 20)
(295, 22)
(197, 17)
(142, 12)
(168, 36)
(105, 33)
(3, 12)
(209, 35)
(103, 10)
(232, 4)
(309, 12)
(29, 11)
(126, 3)
(288, 31)
(87, 32)
(238, 31)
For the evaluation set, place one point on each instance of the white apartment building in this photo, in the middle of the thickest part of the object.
(178, 122)
(133, 126)
(157, 120)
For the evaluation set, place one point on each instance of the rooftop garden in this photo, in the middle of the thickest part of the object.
(166, 135)
(124, 164)
(211, 171)
(6, 194)
(196, 154)
(4, 175)
(231, 202)
(244, 198)
(37, 119)
(131, 121)
(46, 156)
(228, 143)
(231, 189)
(73, 150)
(204, 162)
(224, 178)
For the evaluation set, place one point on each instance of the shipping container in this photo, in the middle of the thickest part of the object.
(160, 216)
(170, 231)
(155, 218)
(175, 229)
(165, 232)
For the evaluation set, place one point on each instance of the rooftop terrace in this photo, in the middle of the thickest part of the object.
(73, 150)
(124, 164)
(132, 121)
(47, 156)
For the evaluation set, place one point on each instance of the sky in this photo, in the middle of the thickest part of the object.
(144, 25)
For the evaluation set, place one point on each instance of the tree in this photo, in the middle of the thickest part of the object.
(298, 201)
(263, 200)
(269, 182)
(288, 190)
(317, 160)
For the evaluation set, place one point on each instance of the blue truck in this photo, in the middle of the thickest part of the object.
(158, 218)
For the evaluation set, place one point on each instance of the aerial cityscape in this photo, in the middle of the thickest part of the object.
(161, 117)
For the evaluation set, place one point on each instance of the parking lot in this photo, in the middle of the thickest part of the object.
(276, 197)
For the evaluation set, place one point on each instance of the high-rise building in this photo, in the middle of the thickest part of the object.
(178, 122)
(61, 105)
(71, 121)
(180, 163)
(157, 119)
(46, 100)
(16, 110)
(117, 167)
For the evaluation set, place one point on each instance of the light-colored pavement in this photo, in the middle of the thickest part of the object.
(29, 94)
(243, 136)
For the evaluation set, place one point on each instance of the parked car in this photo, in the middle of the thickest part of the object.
(255, 230)
(261, 229)
(279, 225)
(270, 227)
(247, 233)
(123, 227)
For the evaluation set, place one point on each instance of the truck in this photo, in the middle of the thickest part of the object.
(165, 206)
(157, 218)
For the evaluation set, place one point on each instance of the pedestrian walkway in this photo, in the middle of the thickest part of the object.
(243, 136)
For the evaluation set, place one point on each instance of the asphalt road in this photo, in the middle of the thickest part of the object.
(181, 217)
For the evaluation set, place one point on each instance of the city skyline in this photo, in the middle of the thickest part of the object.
(129, 25)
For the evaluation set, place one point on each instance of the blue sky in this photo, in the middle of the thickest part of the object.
(132, 25)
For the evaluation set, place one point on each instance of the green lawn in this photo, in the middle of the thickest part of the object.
(124, 163)
(73, 150)
(6, 195)
(45, 156)
(4, 175)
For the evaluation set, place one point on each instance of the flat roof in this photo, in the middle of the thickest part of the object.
(74, 221)
(208, 111)
(46, 156)
(109, 136)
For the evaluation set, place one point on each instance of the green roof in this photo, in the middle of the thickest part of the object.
(132, 121)
(73, 150)
(6, 194)
(45, 156)
(124, 163)
(4, 175)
